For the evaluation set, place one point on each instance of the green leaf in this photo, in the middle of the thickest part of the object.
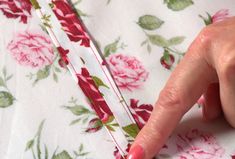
(207, 20)
(110, 128)
(75, 153)
(38, 134)
(115, 124)
(81, 147)
(85, 120)
(63, 155)
(132, 130)
(6, 99)
(110, 119)
(35, 4)
(46, 151)
(38, 147)
(43, 73)
(111, 48)
(176, 40)
(2, 82)
(29, 144)
(9, 77)
(51, 5)
(39, 131)
(55, 77)
(83, 154)
(4, 71)
(144, 42)
(158, 40)
(98, 82)
(57, 69)
(149, 22)
(78, 110)
(177, 5)
(75, 121)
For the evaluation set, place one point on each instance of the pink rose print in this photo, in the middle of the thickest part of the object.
(128, 72)
(70, 22)
(140, 113)
(16, 9)
(95, 97)
(220, 15)
(32, 49)
(196, 144)
(217, 17)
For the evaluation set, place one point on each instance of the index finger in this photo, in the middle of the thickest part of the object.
(185, 85)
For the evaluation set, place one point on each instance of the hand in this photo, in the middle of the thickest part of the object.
(208, 68)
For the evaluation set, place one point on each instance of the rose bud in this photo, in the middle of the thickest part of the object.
(167, 60)
(94, 125)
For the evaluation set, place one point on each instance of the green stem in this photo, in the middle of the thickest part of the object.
(38, 147)
(34, 156)
(145, 33)
(174, 51)
(92, 113)
(55, 59)
(5, 84)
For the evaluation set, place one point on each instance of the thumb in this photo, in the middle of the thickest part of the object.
(181, 91)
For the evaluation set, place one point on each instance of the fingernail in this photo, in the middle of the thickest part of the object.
(136, 152)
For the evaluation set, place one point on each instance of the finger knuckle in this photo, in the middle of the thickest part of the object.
(226, 66)
(206, 36)
(171, 99)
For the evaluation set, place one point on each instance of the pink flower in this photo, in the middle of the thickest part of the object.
(70, 22)
(140, 113)
(217, 17)
(220, 15)
(16, 9)
(127, 71)
(95, 97)
(32, 49)
(196, 144)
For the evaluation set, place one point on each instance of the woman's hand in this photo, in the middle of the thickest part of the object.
(208, 68)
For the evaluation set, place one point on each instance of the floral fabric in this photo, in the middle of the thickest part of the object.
(44, 114)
